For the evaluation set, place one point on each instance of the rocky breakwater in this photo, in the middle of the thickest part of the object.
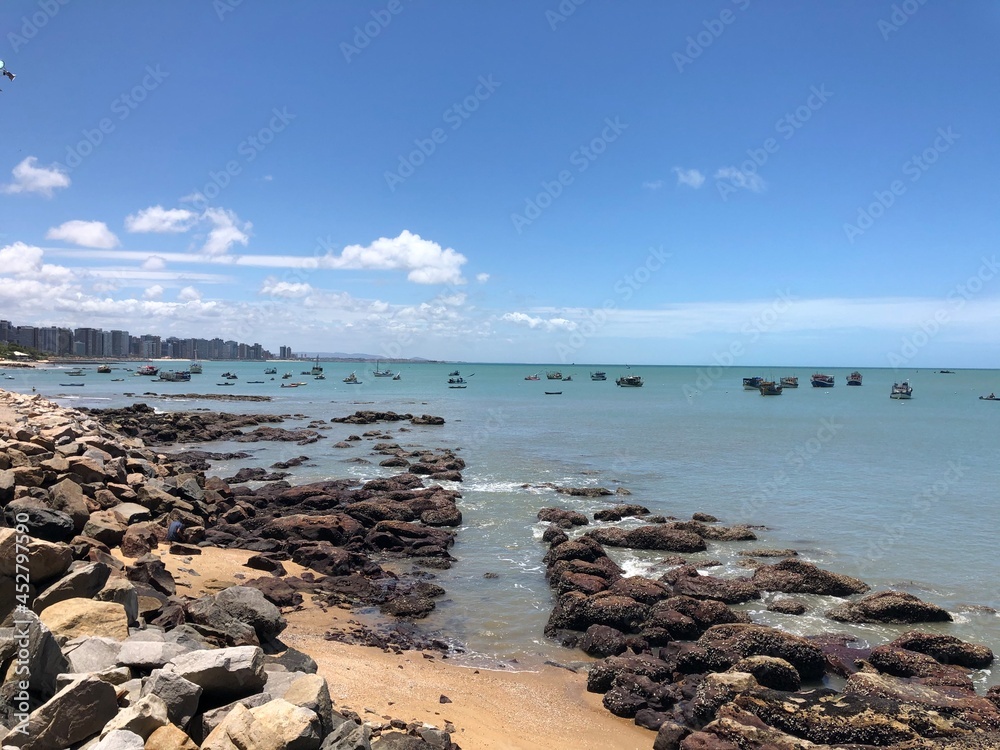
(679, 657)
(97, 653)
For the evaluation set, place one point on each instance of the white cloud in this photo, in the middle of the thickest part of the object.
(426, 261)
(482, 278)
(291, 290)
(653, 184)
(690, 177)
(154, 263)
(227, 230)
(31, 179)
(741, 180)
(25, 262)
(84, 233)
(188, 294)
(546, 324)
(153, 292)
(161, 220)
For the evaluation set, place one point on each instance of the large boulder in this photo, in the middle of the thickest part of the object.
(106, 527)
(143, 717)
(45, 660)
(744, 640)
(72, 618)
(794, 576)
(68, 497)
(83, 581)
(46, 560)
(225, 672)
(686, 581)
(41, 522)
(662, 537)
(249, 605)
(180, 694)
(78, 711)
(890, 607)
(946, 649)
(277, 725)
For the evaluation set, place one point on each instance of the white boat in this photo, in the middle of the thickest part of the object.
(148, 370)
(381, 373)
(629, 381)
(316, 368)
(352, 379)
(901, 390)
(599, 375)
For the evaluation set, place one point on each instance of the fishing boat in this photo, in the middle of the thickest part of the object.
(271, 371)
(254, 382)
(553, 393)
(770, 388)
(454, 374)
(319, 377)
(991, 397)
(455, 381)
(752, 384)
(790, 382)
(554, 375)
(291, 385)
(819, 380)
(76, 374)
(458, 386)
(397, 376)
(598, 375)
(379, 373)
(286, 376)
(70, 385)
(104, 369)
(568, 379)
(854, 378)
(117, 380)
(901, 390)
(148, 370)
(532, 377)
(316, 368)
(171, 376)
(629, 381)
(352, 379)
(230, 376)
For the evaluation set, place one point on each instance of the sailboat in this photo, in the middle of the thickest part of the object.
(316, 368)
(381, 373)
(195, 367)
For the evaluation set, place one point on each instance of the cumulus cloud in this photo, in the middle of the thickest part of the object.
(741, 180)
(153, 292)
(482, 278)
(29, 178)
(426, 261)
(292, 290)
(85, 234)
(161, 220)
(227, 230)
(690, 177)
(154, 263)
(545, 324)
(188, 294)
(653, 184)
(25, 262)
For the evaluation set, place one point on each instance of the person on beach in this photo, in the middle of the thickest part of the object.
(174, 531)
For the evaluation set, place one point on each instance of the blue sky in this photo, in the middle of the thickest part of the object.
(732, 182)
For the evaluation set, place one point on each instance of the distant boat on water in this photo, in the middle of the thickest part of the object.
(752, 384)
(104, 369)
(901, 390)
(352, 379)
(629, 381)
(854, 378)
(532, 377)
(822, 381)
(379, 373)
(599, 375)
(770, 388)
(790, 382)
(554, 375)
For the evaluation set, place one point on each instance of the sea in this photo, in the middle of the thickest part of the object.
(901, 493)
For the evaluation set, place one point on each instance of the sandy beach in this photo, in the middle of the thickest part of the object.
(490, 710)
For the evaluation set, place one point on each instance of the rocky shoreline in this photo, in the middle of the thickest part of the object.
(99, 649)
(116, 657)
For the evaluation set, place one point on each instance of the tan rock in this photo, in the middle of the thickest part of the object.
(169, 738)
(277, 725)
(143, 717)
(82, 617)
(46, 560)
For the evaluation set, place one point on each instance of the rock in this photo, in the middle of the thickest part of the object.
(735, 728)
(787, 606)
(670, 735)
(83, 582)
(718, 689)
(143, 717)
(662, 537)
(139, 539)
(78, 711)
(745, 640)
(41, 523)
(901, 662)
(770, 671)
(292, 660)
(72, 618)
(563, 518)
(249, 606)
(273, 726)
(768, 553)
(267, 564)
(46, 560)
(889, 606)
(121, 591)
(91, 654)
(106, 527)
(946, 649)
(600, 641)
(225, 672)
(150, 571)
(68, 497)
(686, 581)
(798, 577)
(618, 512)
(148, 655)
(169, 738)
(180, 694)
(119, 739)
(45, 661)
(311, 691)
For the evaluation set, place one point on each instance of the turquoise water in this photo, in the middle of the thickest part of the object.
(900, 493)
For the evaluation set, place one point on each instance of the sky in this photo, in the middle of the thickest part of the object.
(729, 182)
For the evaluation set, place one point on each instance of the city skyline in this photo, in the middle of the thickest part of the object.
(647, 183)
